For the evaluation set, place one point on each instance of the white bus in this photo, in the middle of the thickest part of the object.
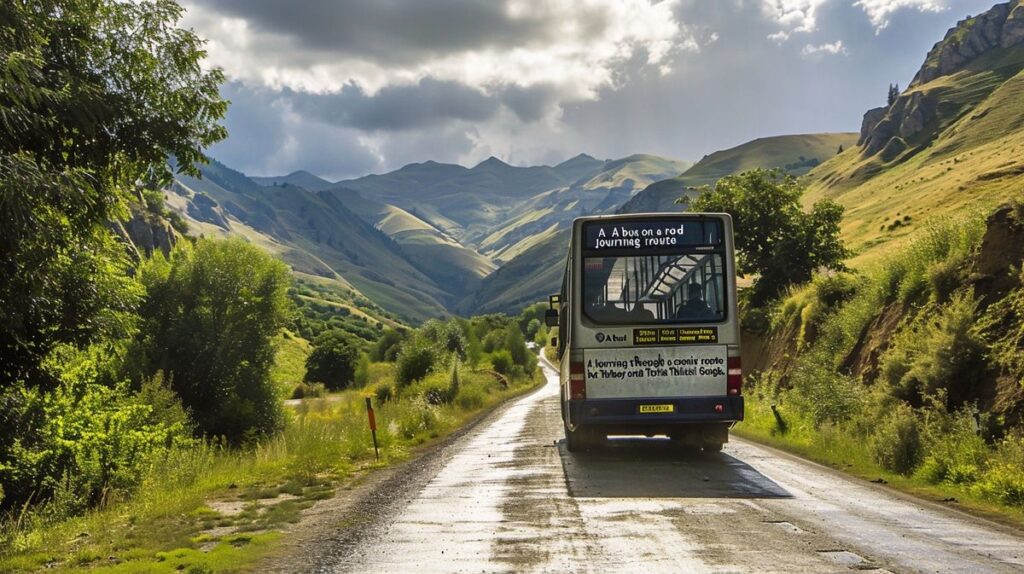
(648, 333)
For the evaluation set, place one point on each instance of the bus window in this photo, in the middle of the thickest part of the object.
(642, 289)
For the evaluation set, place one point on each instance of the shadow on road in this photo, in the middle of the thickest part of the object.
(658, 468)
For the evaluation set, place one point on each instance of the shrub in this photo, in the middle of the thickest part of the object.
(333, 360)
(415, 361)
(502, 362)
(387, 346)
(210, 321)
(309, 390)
(940, 351)
(384, 393)
(470, 398)
(896, 442)
(823, 394)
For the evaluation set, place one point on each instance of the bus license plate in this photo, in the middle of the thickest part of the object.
(657, 409)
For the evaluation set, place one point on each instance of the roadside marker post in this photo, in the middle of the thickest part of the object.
(373, 427)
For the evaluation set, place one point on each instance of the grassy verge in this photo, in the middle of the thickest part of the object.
(212, 509)
(837, 447)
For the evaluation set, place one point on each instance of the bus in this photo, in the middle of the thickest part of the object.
(648, 335)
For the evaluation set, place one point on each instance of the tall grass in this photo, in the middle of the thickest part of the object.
(324, 441)
(914, 420)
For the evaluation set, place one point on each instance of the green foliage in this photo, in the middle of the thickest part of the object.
(515, 344)
(896, 442)
(85, 441)
(387, 346)
(1002, 326)
(775, 239)
(502, 361)
(96, 95)
(210, 318)
(306, 390)
(415, 361)
(940, 351)
(824, 395)
(333, 360)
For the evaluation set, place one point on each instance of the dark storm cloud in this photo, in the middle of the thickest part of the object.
(427, 103)
(530, 104)
(265, 137)
(392, 30)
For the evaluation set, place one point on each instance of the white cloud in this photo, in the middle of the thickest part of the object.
(578, 48)
(796, 16)
(792, 15)
(880, 11)
(833, 48)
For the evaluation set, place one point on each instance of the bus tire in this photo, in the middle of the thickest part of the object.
(580, 439)
(712, 448)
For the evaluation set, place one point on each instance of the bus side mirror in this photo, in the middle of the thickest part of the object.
(554, 342)
(551, 317)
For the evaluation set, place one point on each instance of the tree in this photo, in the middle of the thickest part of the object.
(210, 318)
(334, 360)
(96, 95)
(775, 239)
(894, 94)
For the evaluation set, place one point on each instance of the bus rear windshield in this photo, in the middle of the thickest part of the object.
(651, 289)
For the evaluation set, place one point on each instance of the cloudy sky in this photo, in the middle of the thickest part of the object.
(345, 87)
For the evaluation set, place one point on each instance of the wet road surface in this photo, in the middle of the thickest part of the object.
(508, 497)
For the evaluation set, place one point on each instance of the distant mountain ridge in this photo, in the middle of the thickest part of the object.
(419, 240)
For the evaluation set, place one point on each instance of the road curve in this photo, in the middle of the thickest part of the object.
(508, 497)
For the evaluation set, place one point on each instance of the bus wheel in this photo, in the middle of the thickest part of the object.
(580, 439)
(711, 448)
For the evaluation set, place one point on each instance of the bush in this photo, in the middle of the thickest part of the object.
(309, 390)
(824, 395)
(502, 362)
(384, 393)
(333, 360)
(896, 442)
(210, 319)
(470, 398)
(415, 361)
(387, 346)
(940, 351)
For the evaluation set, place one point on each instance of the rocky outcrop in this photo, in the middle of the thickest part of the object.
(203, 208)
(891, 130)
(1001, 27)
(908, 116)
(871, 119)
(996, 267)
(144, 233)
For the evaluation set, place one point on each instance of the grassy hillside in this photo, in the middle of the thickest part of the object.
(314, 233)
(966, 156)
(796, 154)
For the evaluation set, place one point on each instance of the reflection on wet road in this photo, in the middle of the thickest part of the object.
(510, 498)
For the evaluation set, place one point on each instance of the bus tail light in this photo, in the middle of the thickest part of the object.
(734, 381)
(577, 381)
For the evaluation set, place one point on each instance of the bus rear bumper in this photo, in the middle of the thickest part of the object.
(684, 411)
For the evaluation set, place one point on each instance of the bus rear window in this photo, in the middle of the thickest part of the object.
(650, 289)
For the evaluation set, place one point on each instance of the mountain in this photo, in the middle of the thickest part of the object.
(418, 241)
(534, 264)
(796, 154)
(953, 140)
(314, 233)
(300, 178)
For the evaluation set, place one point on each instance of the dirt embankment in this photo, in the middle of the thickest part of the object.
(993, 275)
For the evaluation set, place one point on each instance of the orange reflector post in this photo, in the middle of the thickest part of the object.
(734, 382)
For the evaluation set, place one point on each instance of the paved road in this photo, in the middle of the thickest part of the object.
(508, 497)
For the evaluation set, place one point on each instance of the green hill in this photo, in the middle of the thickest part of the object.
(796, 154)
(314, 233)
(953, 140)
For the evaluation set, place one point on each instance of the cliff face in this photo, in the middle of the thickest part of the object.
(144, 233)
(888, 131)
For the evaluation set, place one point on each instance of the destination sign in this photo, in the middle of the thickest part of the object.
(675, 335)
(650, 234)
